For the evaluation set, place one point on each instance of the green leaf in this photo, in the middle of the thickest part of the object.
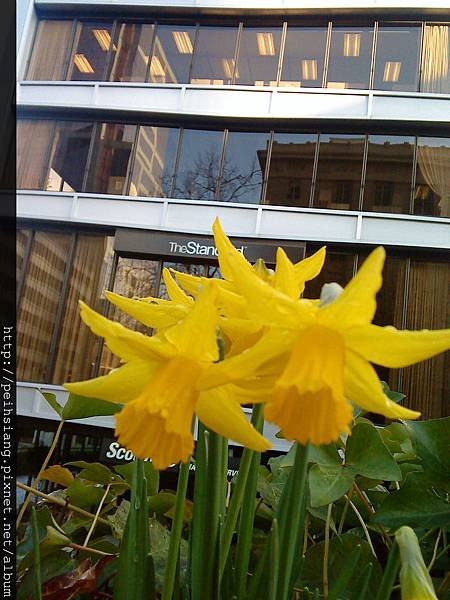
(80, 407)
(151, 474)
(394, 396)
(25, 546)
(57, 474)
(119, 518)
(161, 503)
(341, 558)
(83, 494)
(51, 400)
(53, 540)
(96, 472)
(415, 504)
(367, 455)
(327, 483)
(430, 442)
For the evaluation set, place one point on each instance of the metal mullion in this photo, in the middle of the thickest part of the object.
(237, 49)
(374, 55)
(363, 172)
(404, 322)
(71, 53)
(314, 171)
(24, 269)
(421, 54)
(95, 128)
(109, 62)
(282, 47)
(150, 52)
(221, 165)
(131, 163)
(60, 310)
(413, 176)
(267, 168)
(194, 50)
(327, 54)
(48, 153)
(105, 311)
(176, 162)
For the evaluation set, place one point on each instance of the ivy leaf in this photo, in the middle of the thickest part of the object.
(415, 504)
(83, 494)
(367, 455)
(58, 474)
(430, 442)
(151, 474)
(327, 483)
(80, 407)
(51, 400)
(96, 472)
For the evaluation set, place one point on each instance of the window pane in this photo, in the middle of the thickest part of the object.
(397, 58)
(426, 384)
(214, 56)
(191, 269)
(22, 240)
(92, 43)
(154, 162)
(134, 277)
(77, 345)
(172, 54)
(432, 193)
(243, 168)
(339, 171)
(50, 51)
(350, 57)
(67, 162)
(304, 56)
(388, 174)
(130, 60)
(33, 141)
(109, 165)
(39, 304)
(259, 50)
(337, 268)
(291, 167)
(436, 59)
(199, 164)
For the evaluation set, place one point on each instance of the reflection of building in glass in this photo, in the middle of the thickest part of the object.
(152, 119)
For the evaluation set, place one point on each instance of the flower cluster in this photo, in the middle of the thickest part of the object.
(248, 338)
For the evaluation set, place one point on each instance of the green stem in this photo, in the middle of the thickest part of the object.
(238, 494)
(36, 556)
(245, 530)
(175, 533)
(291, 517)
(390, 574)
(198, 517)
(274, 560)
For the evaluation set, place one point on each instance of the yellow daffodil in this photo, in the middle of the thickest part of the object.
(158, 386)
(327, 349)
(415, 581)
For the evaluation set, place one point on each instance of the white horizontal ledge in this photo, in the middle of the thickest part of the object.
(30, 403)
(236, 102)
(263, 5)
(243, 220)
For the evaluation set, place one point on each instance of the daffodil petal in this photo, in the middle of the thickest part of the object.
(146, 436)
(157, 316)
(123, 342)
(195, 337)
(357, 303)
(191, 283)
(271, 346)
(176, 294)
(285, 280)
(220, 412)
(121, 385)
(228, 255)
(309, 267)
(363, 388)
(390, 347)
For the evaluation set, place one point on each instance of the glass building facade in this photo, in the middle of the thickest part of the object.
(380, 55)
(393, 168)
(400, 174)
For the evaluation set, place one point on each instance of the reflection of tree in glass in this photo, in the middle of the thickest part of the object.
(200, 181)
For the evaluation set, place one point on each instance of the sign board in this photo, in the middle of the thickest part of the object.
(192, 248)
